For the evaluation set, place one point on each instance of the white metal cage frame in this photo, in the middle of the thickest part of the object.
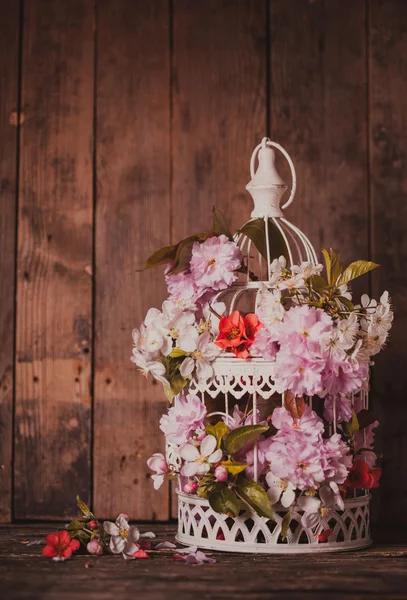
(252, 379)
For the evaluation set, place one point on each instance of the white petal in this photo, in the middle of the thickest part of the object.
(274, 494)
(189, 452)
(189, 469)
(130, 548)
(149, 535)
(271, 479)
(158, 480)
(203, 369)
(310, 520)
(215, 456)
(134, 533)
(187, 366)
(122, 522)
(288, 497)
(117, 544)
(110, 528)
(309, 504)
(208, 445)
(202, 469)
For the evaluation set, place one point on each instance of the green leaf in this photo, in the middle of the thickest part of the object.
(219, 224)
(285, 524)
(234, 467)
(177, 384)
(254, 496)
(352, 427)
(333, 265)
(183, 252)
(208, 484)
(225, 502)
(365, 418)
(177, 352)
(294, 404)
(356, 269)
(349, 305)
(163, 256)
(218, 431)
(238, 438)
(85, 510)
(255, 231)
(318, 283)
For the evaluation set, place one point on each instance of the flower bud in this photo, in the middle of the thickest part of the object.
(190, 487)
(94, 547)
(93, 524)
(221, 473)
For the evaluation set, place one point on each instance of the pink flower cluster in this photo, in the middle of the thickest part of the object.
(186, 417)
(299, 454)
(213, 267)
(313, 355)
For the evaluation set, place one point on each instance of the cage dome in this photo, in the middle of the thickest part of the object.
(275, 236)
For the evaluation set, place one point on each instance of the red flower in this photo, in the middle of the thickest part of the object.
(361, 476)
(93, 524)
(237, 333)
(325, 535)
(140, 554)
(252, 325)
(60, 544)
(231, 330)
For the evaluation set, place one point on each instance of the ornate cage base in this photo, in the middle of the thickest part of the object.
(199, 525)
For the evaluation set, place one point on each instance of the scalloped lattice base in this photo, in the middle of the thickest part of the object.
(199, 525)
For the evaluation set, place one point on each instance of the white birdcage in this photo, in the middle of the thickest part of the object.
(234, 378)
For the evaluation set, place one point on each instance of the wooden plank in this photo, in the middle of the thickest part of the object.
(9, 52)
(377, 572)
(54, 289)
(132, 221)
(318, 113)
(388, 139)
(219, 110)
(219, 93)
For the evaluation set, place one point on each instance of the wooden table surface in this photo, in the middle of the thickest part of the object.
(378, 572)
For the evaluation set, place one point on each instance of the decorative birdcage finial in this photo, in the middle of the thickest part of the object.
(266, 186)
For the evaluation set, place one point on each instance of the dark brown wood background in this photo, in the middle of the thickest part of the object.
(121, 123)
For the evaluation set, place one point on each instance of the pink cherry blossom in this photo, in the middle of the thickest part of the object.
(182, 419)
(343, 408)
(309, 426)
(214, 262)
(300, 373)
(158, 464)
(94, 547)
(182, 289)
(302, 328)
(264, 345)
(336, 459)
(221, 473)
(190, 487)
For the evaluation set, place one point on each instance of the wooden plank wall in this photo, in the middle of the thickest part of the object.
(137, 117)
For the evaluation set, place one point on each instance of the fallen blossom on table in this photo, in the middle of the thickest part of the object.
(60, 545)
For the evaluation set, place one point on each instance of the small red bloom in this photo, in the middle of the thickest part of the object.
(237, 333)
(252, 325)
(325, 535)
(60, 544)
(361, 476)
(93, 524)
(140, 554)
(231, 330)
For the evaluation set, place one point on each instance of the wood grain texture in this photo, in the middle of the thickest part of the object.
(9, 54)
(377, 572)
(318, 113)
(388, 139)
(132, 220)
(54, 299)
(219, 101)
(219, 95)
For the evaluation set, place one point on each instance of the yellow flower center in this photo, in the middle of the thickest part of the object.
(174, 333)
(124, 533)
(283, 484)
(302, 465)
(323, 512)
(310, 492)
(212, 262)
(197, 354)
